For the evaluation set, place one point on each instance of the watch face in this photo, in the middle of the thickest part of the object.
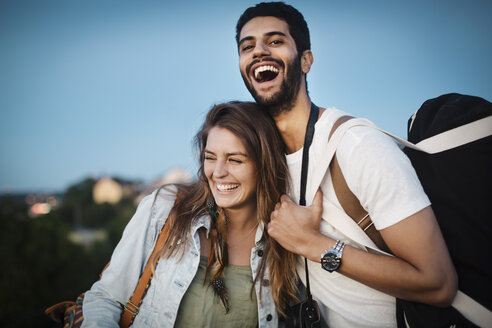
(330, 262)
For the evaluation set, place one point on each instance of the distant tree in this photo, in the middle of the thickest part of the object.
(41, 266)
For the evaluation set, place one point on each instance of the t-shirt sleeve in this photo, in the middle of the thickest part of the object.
(381, 176)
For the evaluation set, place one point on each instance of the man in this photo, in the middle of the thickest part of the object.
(358, 291)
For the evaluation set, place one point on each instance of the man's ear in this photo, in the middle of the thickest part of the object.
(306, 61)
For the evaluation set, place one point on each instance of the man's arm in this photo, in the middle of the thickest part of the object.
(421, 269)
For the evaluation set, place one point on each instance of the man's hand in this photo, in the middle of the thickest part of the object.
(294, 226)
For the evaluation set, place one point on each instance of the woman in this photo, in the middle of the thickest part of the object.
(216, 236)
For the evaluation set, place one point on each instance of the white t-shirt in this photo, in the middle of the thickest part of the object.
(384, 181)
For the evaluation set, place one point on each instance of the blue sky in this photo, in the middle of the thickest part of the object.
(93, 88)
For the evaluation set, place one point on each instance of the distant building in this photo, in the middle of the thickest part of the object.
(40, 204)
(87, 237)
(176, 175)
(106, 190)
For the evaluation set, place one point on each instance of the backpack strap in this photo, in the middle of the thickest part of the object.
(350, 204)
(132, 307)
(472, 310)
(449, 139)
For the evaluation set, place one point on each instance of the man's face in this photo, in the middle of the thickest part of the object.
(269, 63)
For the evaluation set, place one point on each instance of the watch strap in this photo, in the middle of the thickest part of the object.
(338, 247)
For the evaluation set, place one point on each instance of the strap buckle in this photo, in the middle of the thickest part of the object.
(133, 309)
(362, 220)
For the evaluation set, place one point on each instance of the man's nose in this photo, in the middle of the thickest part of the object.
(261, 50)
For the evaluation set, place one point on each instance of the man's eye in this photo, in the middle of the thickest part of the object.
(275, 42)
(209, 158)
(246, 48)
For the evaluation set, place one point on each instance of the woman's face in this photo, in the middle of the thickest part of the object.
(230, 172)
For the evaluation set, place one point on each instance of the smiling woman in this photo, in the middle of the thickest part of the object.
(212, 258)
(230, 172)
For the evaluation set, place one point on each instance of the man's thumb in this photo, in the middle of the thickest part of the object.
(318, 200)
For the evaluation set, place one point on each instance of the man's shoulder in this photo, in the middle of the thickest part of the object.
(332, 114)
(359, 135)
(326, 121)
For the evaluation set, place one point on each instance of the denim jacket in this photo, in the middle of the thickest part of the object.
(103, 303)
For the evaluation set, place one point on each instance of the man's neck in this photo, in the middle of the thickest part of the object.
(292, 124)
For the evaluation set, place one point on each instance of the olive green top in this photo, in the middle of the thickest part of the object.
(200, 307)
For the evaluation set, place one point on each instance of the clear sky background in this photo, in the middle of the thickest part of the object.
(96, 87)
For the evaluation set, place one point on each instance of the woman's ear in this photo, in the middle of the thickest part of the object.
(306, 61)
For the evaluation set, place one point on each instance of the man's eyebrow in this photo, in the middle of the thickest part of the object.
(272, 33)
(247, 38)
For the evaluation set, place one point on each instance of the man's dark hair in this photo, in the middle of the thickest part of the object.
(297, 25)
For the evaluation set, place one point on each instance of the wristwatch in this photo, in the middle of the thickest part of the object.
(332, 258)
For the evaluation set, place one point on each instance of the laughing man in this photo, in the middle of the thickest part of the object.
(358, 287)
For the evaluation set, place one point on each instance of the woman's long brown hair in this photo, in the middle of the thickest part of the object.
(265, 147)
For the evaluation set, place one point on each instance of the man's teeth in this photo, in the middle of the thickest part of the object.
(265, 68)
(227, 187)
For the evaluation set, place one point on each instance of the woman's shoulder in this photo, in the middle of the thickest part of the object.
(160, 202)
(164, 196)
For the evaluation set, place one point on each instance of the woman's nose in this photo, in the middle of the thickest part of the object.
(220, 169)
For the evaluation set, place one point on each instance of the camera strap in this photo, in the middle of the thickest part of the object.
(308, 139)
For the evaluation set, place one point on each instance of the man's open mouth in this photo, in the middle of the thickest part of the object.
(265, 73)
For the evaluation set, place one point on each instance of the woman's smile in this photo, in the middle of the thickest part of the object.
(230, 171)
(226, 187)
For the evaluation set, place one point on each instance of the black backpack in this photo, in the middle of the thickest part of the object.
(458, 182)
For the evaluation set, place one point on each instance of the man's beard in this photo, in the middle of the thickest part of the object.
(284, 99)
